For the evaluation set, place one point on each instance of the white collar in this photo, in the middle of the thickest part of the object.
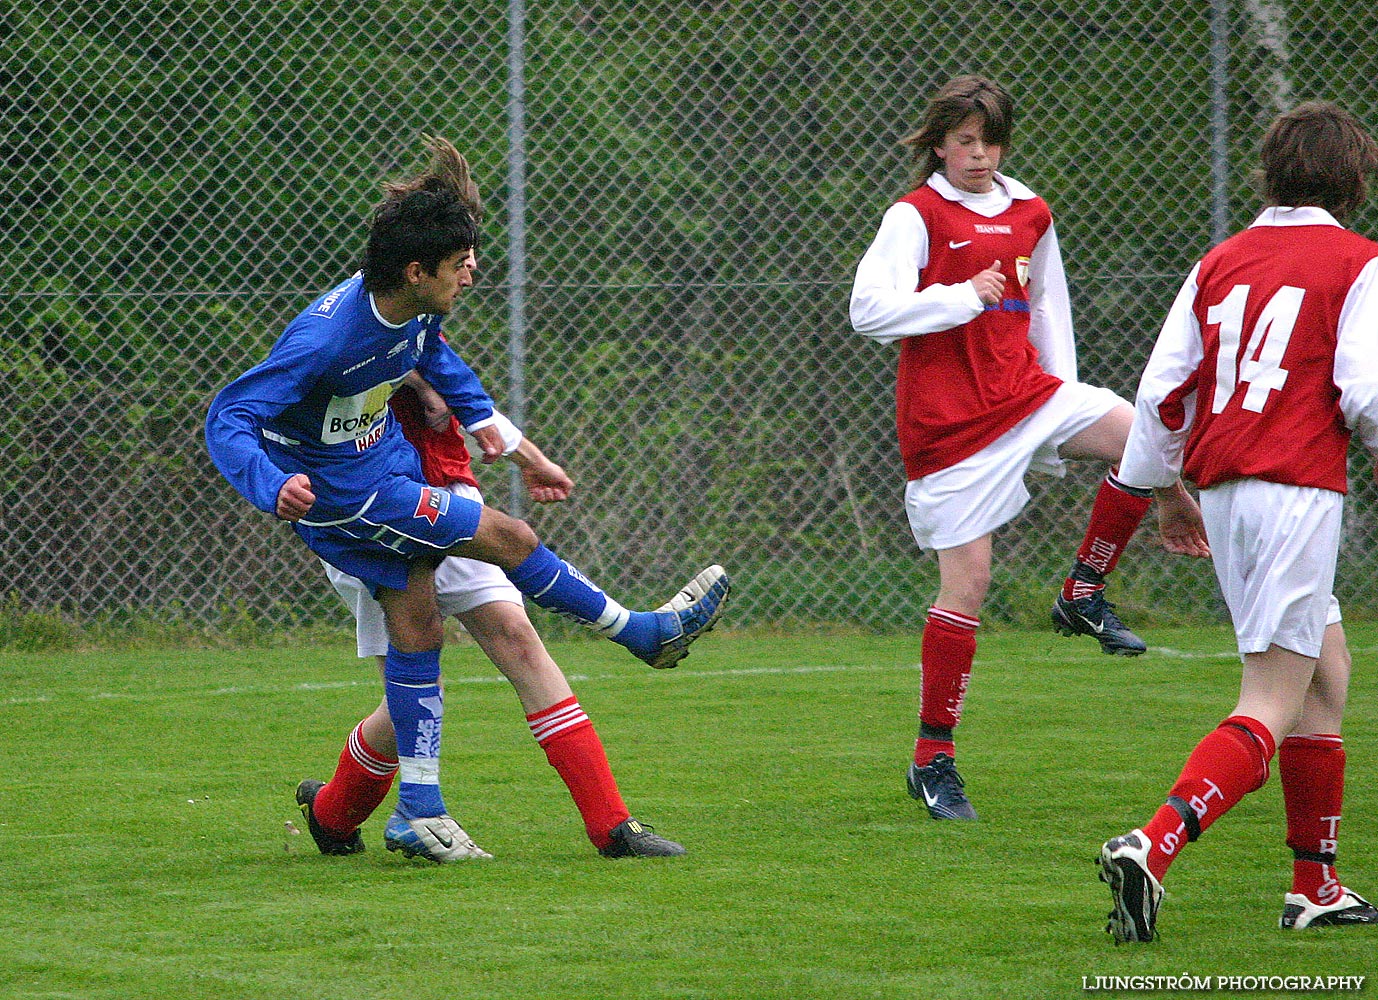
(1304, 215)
(373, 304)
(951, 192)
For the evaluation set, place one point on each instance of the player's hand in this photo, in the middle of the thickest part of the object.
(546, 482)
(490, 443)
(1179, 523)
(438, 414)
(990, 284)
(295, 498)
(434, 410)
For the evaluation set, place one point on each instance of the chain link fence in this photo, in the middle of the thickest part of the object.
(677, 195)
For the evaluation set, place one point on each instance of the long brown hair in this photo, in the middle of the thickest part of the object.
(1317, 154)
(447, 170)
(956, 101)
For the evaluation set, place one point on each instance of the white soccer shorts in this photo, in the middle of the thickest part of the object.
(460, 585)
(965, 501)
(1274, 547)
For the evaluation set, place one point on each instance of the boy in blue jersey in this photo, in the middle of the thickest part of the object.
(307, 435)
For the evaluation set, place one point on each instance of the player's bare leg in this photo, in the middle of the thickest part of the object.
(563, 730)
(660, 638)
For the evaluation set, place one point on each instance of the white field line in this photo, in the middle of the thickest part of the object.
(255, 689)
(630, 674)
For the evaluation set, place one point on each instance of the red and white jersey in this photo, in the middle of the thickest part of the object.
(1267, 362)
(967, 372)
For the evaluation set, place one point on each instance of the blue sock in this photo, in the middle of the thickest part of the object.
(411, 683)
(557, 586)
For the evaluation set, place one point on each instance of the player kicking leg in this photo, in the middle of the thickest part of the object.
(1081, 607)
(490, 610)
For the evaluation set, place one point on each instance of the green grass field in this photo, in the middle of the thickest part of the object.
(145, 795)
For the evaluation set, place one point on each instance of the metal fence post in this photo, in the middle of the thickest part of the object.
(516, 231)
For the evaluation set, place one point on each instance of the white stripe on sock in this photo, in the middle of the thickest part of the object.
(557, 722)
(370, 762)
(953, 618)
(419, 770)
(613, 619)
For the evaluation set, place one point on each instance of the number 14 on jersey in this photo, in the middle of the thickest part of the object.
(1260, 366)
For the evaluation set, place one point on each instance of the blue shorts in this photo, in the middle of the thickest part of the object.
(402, 522)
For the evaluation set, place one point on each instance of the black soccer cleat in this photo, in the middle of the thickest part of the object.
(938, 786)
(1093, 615)
(633, 839)
(326, 841)
(1136, 894)
(1298, 912)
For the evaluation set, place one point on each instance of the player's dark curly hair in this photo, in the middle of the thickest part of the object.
(1317, 154)
(955, 101)
(425, 218)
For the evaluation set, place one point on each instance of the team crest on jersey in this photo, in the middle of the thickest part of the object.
(1021, 271)
(433, 504)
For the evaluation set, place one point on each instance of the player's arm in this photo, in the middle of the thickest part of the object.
(496, 435)
(884, 305)
(1165, 405)
(1164, 409)
(235, 421)
(545, 481)
(456, 382)
(436, 412)
(1050, 309)
(462, 391)
(1356, 363)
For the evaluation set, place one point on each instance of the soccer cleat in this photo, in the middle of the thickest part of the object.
(435, 838)
(327, 842)
(688, 615)
(632, 839)
(1093, 615)
(1136, 893)
(1298, 912)
(938, 786)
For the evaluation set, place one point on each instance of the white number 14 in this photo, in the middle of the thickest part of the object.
(1261, 363)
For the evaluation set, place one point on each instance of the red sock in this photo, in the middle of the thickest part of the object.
(1114, 519)
(1227, 765)
(948, 647)
(361, 782)
(1312, 769)
(926, 749)
(572, 746)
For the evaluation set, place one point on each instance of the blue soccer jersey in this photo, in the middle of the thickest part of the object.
(318, 404)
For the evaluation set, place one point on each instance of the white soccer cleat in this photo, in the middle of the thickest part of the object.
(1298, 912)
(435, 838)
(695, 589)
(687, 616)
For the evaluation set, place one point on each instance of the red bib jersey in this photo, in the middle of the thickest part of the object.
(960, 389)
(1267, 406)
(1267, 361)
